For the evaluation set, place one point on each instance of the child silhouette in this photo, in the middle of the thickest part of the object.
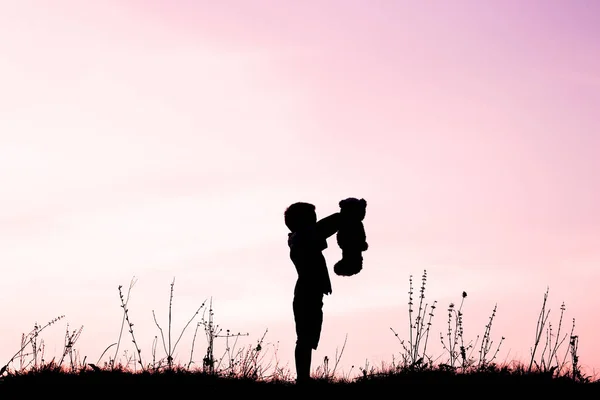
(307, 240)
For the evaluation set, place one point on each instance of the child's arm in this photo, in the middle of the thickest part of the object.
(328, 226)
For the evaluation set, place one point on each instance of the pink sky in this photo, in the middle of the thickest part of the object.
(164, 139)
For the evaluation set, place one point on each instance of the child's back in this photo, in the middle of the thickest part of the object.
(306, 252)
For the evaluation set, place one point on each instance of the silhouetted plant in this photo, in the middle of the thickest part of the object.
(549, 354)
(108, 364)
(368, 370)
(279, 373)
(576, 373)
(68, 348)
(324, 371)
(455, 345)
(124, 303)
(129, 323)
(487, 343)
(213, 331)
(168, 346)
(539, 329)
(549, 361)
(246, 362)
(30, 339)
(415, 351)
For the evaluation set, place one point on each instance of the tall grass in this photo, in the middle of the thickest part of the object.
(554, 354)
(414, 353)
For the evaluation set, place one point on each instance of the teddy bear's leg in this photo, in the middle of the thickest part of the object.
(357, 262)
(350, 264)
(343, 267)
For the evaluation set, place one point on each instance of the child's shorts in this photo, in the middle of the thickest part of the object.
(308, 315)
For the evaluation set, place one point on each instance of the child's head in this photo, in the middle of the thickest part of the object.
(300, 215)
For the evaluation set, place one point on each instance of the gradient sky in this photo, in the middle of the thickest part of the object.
(163, 140)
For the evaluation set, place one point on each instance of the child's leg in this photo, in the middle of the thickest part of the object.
(308, 314)
(302, 355)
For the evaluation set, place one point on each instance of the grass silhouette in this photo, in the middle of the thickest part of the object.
(554, 362)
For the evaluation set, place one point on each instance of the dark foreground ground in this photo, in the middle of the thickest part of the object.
(150, 385)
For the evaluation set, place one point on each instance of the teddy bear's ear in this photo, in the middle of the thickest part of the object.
(363, 202)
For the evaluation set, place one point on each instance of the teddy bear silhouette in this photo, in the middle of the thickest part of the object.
(351, 237)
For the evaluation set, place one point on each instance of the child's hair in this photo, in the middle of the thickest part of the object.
(299, 215)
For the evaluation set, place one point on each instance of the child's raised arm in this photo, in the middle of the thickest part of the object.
(328, 226)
